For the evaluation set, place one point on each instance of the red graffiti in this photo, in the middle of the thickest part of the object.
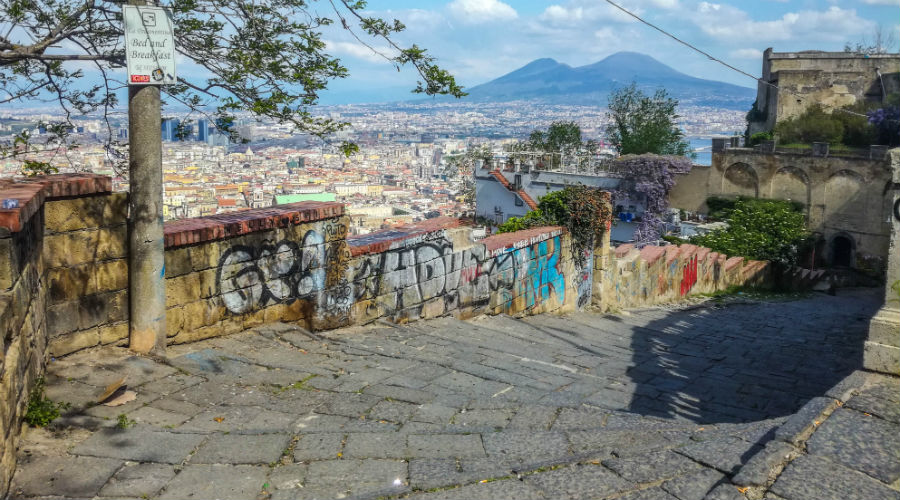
(689, 276)
(469, 274)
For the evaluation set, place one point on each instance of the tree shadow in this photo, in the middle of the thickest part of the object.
(744, 362)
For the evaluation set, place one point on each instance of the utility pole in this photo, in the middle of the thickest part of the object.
(146, 250)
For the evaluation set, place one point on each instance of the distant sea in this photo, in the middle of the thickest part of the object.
(704, 145)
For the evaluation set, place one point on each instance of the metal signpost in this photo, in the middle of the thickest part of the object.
(150, 55)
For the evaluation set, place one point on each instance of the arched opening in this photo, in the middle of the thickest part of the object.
(841, 251)
(740, 180)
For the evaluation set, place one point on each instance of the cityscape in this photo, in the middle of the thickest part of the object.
(398, 176)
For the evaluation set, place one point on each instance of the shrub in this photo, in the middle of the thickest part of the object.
(760, 137)
(772, 230)
(814, 125)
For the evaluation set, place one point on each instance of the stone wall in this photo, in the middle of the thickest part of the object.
(844, 197)
(658, 275)
(30, 281)
(85, 261)
(432, 269)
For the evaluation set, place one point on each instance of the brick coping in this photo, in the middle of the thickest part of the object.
(32, 192)
(216, 227)
(384, 240)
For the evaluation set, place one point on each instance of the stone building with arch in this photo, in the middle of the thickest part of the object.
(847, 197)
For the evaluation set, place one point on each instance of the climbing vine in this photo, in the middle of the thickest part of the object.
(651, 177)
(584, 211)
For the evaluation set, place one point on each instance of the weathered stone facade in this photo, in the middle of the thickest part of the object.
(847, 198)
(833, 79)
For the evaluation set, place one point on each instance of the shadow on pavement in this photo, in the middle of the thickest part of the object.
(744, 362)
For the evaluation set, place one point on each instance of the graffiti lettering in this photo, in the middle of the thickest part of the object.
(254, 277)
(689, 275)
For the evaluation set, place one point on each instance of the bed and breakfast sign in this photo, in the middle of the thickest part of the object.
(149, 45)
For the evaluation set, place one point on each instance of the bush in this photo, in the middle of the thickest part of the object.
(814, 125)
(760, 137)
(582, 210)
(772, 230)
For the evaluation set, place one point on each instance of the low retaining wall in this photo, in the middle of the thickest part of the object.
(657, 275)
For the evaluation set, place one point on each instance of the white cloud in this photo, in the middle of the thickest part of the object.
(481, 11)
(729, 23)
(880, 2)
(353, 49)
(754, 54)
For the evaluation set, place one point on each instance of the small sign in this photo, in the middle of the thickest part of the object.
(149, 45)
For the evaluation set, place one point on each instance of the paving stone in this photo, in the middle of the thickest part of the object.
(222, 482)
(483, 418)
(798, 426)
(765, 464)
(694, 486)
(348, 405)
(537, 417)
(392, 411)
(317, 423)
(526, 447)
(509, 489)
(580, 418)
(622, 442)
(651, 467)
(138, 480)
(725, 491)
(579, 481)
(397, 393)
(815, 478)
(428, 473)
(725, 454)
(324, 446)
(445, 445)
(156, 417)
(880, 401)
(434, 413)
(357, 474)
(140, 445)
(62, 476)
(288, 477)
(653, 493)
(861, 442)
(241, 449)
(376, 445)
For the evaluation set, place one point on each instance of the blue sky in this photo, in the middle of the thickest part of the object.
(479, 40)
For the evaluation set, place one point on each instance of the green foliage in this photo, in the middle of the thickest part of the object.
(264, 58)
(41, 410)
(848, 126)
(756, 114)
(771, 230)
(582, 210)
(561, 138)
(645, 124)
(814, 125)
(123, 422)
(760, 137)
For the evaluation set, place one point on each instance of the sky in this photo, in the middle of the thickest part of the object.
(479, 40)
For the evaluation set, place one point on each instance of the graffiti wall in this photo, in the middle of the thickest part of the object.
(441, 271)
(655, 275)
(312, 273)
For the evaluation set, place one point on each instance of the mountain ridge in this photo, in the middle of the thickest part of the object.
(549, 81)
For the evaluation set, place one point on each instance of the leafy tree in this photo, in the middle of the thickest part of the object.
(645, 124)
(770, 230)
(561, 138)
(265, 57)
